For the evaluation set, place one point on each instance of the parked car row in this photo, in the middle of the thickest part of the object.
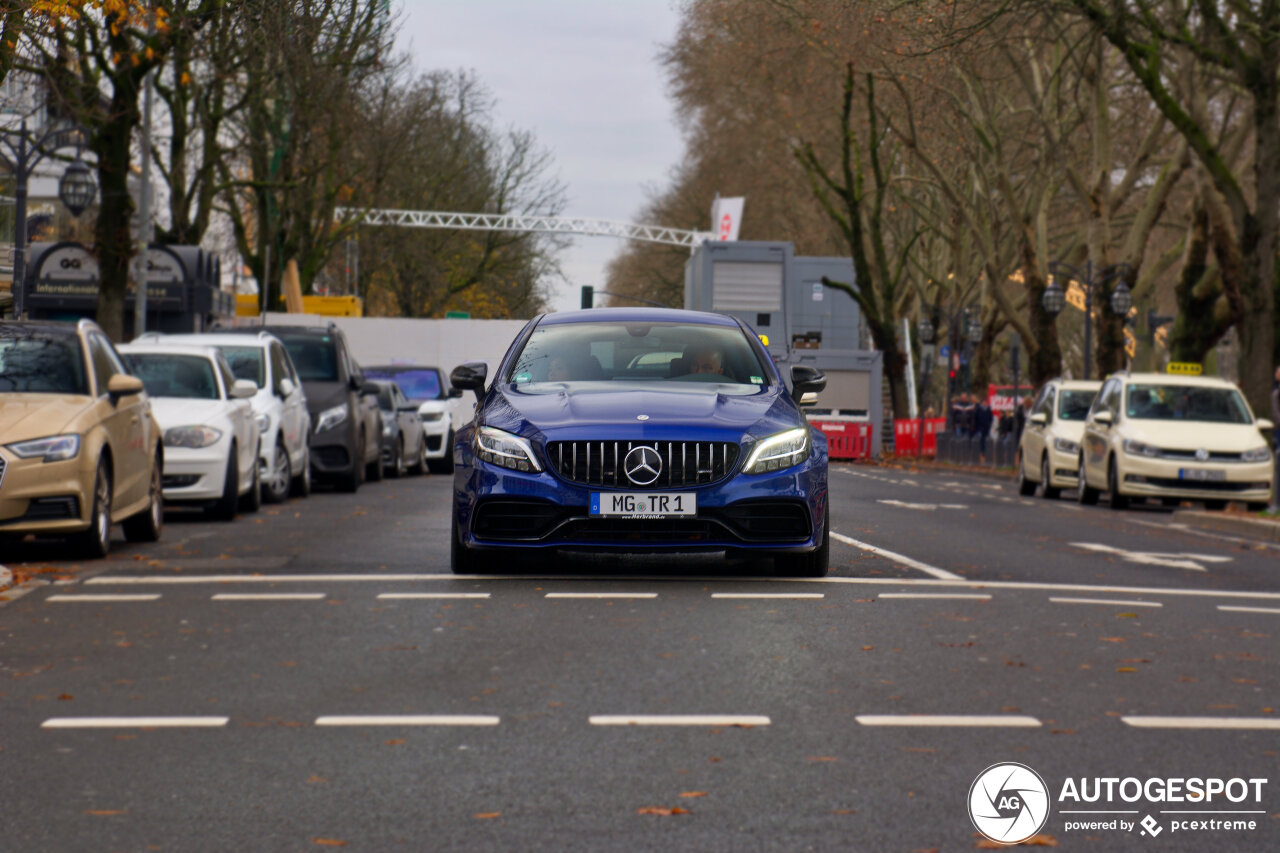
(92, 435)
(1136, 436)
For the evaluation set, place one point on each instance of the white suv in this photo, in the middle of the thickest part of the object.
(1176, 438)
(280, 406)
(1050, 445)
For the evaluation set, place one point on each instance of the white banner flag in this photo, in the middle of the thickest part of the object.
(726, 216)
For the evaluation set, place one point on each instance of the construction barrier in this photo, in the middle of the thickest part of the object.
(906, 436)
(846, 439)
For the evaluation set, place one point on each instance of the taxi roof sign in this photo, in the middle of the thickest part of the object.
(1185, 368)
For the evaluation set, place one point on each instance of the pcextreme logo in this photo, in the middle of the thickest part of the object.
(1008, 802)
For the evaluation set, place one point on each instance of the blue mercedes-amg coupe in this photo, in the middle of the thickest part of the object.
(639, 430)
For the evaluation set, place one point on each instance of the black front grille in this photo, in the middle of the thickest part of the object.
(1203, 485)
(53, 509)
(603, 463)
(635, 531)
(434, 442)
(331, 457)
(766, 519)
(501, 518)
(1190, 455)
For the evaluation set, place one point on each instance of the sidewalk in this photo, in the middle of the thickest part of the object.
(1236, 523)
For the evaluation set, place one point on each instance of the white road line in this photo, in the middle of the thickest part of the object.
(1180, 560)
(409, 720)
(1228, 608)
(268, 596)
(133, 722)
(1183, 528)
(193, 579)
(93, 598)
(975, 596)
(933, 571)
(1202, 722)
(601, 595)
(677, 720)
(1002, 720)
(1113, 602)
(792, 595)
(411, 595)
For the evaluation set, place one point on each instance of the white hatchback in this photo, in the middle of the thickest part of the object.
(210, 437)
(1050, 444)
(280, 406)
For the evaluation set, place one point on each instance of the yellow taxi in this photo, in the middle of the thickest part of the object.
(79, 448)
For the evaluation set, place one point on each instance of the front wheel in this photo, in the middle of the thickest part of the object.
(146, 526)
(1047, 490)
(1118, 501)
(373, 470)
(462, 560)
(95, 542)
(276, 487)
(1085, 494)
(251, 501)
(300, 486)
(1215, 506)
(811, 565)
(225, 507)
(1026, 487)
(397, 460)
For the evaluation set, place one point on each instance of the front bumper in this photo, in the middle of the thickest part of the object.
(1063, 469)
(195, 475)
(45, 497)
(1144, 477)
(436, 434)
(332, 452)
(778, 512)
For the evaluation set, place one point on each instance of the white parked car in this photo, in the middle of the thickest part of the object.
(1050, 445)
(210, 434)
(279, 404)
(440, 408)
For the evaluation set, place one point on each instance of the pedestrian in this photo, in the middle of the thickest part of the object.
(982, 421)
(1275, 436)
(1020, 417)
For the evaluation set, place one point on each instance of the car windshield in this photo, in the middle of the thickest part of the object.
(41, 364)
(246, 363)
(1186, 403)
(168, 375)
(628, 352)
(1074, 405)
(416, 384)
(314, 357)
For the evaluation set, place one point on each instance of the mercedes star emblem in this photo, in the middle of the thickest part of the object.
(642, 465)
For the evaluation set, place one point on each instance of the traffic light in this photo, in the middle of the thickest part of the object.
(588, 296)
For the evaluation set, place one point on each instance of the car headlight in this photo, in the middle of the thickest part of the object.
(191, 436)
(1138, 448)
(430, 417)
(331, 418)
(55, 448)
(1258, 454)
(264, 422)
(1063, 445)
(778, 451)
(387, 426)
(502, 448)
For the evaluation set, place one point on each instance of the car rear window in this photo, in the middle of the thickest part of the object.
(315, 357)
(417, 385)
(167, 375)
(42, 365)
(246, 363)
(687, 353)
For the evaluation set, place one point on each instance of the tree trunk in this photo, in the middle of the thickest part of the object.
(1257, 325)
(114, 239)
(1202, 317)
(894, 364)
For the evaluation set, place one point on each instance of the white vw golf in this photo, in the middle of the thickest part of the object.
(210, 436)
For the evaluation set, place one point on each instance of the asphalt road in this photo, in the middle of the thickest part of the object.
(313, 677)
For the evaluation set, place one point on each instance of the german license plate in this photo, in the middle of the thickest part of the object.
(1207, 475)
(644, 504)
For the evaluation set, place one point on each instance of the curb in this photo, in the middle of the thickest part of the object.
(1257, 529)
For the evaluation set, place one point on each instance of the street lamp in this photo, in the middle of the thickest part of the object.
(1090, 278)
(77, 188)
(926, 330)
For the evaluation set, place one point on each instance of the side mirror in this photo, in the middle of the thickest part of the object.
(1264, 423)
(243, 389)
(1104, 418)
(455, 393)
(287, 387)
(356, 383)
(806, 383)
(470, 377)
(123, 385)
(368, 389)
(1039, 419)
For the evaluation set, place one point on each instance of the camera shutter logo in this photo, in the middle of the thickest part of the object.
(1008, 802)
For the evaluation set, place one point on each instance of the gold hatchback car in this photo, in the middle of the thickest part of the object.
(79, 448)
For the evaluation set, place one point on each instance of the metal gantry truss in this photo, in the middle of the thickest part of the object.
(524, 222)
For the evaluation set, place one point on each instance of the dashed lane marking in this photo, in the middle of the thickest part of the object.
(409, 720)
(601, 595)
(267, 596)
(104, 598)
(1001, 720)
(960, 595)
(318, 578)
(1266, 723)
(133, 722)
(1180, 560)
(432, 595)
(750, 595)
(934, 571)
(677, 720)
(926, 507)
(1228, 608)
(1106, 601)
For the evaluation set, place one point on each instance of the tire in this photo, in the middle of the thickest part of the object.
(1117, 500)
(811, 565)
(462, 560)
(275, 489)
(1172, 503)
(225, 507)
(443, 465)
(251, 501)
(1046, 490)
(420, 464)
(1086, 495)
(1026, 487)
(300, 486)
(1215, 506)
(1257, 506)
(146, 526)
(350, 482)
(94, 543)
(373, 470)
(397, 460)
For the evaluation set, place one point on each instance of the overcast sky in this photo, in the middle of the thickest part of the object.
(583, 76)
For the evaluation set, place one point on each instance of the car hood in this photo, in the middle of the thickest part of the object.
(27, 416)
(181, 411)
(324, 395)
(1194, 435)
(605, 411)
(1070, 430)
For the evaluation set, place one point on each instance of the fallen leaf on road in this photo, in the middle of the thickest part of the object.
(105, 812)
(690, 794)
(395, 742)
(867, 648)
(315, 778)
(822, 758)
(487, 815)
(1126, 615)
(1111, 639)
(661, 811)
(329, 842)
(65, 697)
(1040, 840)
(1126, 669)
